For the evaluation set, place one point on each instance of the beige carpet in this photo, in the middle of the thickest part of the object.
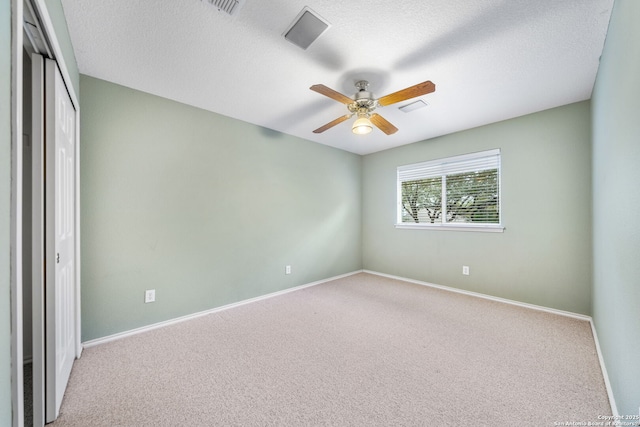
(359, 351)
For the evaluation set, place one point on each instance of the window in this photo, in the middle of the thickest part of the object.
(461, 192)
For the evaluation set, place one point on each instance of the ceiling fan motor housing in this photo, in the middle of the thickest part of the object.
(363, 99)
(363, 95)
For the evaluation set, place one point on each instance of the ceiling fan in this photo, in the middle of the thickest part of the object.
(363, 104)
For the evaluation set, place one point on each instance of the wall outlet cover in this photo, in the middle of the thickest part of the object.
(149, 296)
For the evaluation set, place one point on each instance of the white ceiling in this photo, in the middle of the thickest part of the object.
(491, 60)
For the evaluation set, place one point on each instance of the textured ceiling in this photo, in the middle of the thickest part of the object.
(491, 60)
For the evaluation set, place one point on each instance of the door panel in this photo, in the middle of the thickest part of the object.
(37, 233)
(60, 244)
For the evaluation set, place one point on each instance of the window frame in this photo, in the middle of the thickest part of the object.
(443, 225)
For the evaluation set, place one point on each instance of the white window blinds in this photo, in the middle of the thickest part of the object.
(460, 191)
(468, 162)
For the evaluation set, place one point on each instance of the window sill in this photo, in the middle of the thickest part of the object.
(479, 228)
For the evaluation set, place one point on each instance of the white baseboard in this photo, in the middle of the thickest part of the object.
(612, 402)
(120, 335)
(607, 384)
(485, 296)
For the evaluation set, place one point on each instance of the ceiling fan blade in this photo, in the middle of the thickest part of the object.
(333, 123)
(408, 93)
(322, 89)
(383, 124)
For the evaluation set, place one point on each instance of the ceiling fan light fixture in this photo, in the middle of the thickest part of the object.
(362, 126)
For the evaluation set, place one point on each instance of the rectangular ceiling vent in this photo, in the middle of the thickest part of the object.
(230, 7)
(416, 105)
(306, 28)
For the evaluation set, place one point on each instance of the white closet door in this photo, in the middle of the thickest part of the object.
(60, 244)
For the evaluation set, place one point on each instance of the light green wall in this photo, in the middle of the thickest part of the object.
(616, 204)
(543, 257)
(5, 211)
(205, 209)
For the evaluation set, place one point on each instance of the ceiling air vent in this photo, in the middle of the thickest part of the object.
(230, 7)
(416, 105)
(306, 28)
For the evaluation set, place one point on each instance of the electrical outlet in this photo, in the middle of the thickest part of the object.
(465, 270)
(287, 269)
(150, 296)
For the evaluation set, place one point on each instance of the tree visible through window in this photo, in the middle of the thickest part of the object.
(422, 200)
(463, 190)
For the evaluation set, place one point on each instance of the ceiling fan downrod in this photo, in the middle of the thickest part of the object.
(362, 85)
